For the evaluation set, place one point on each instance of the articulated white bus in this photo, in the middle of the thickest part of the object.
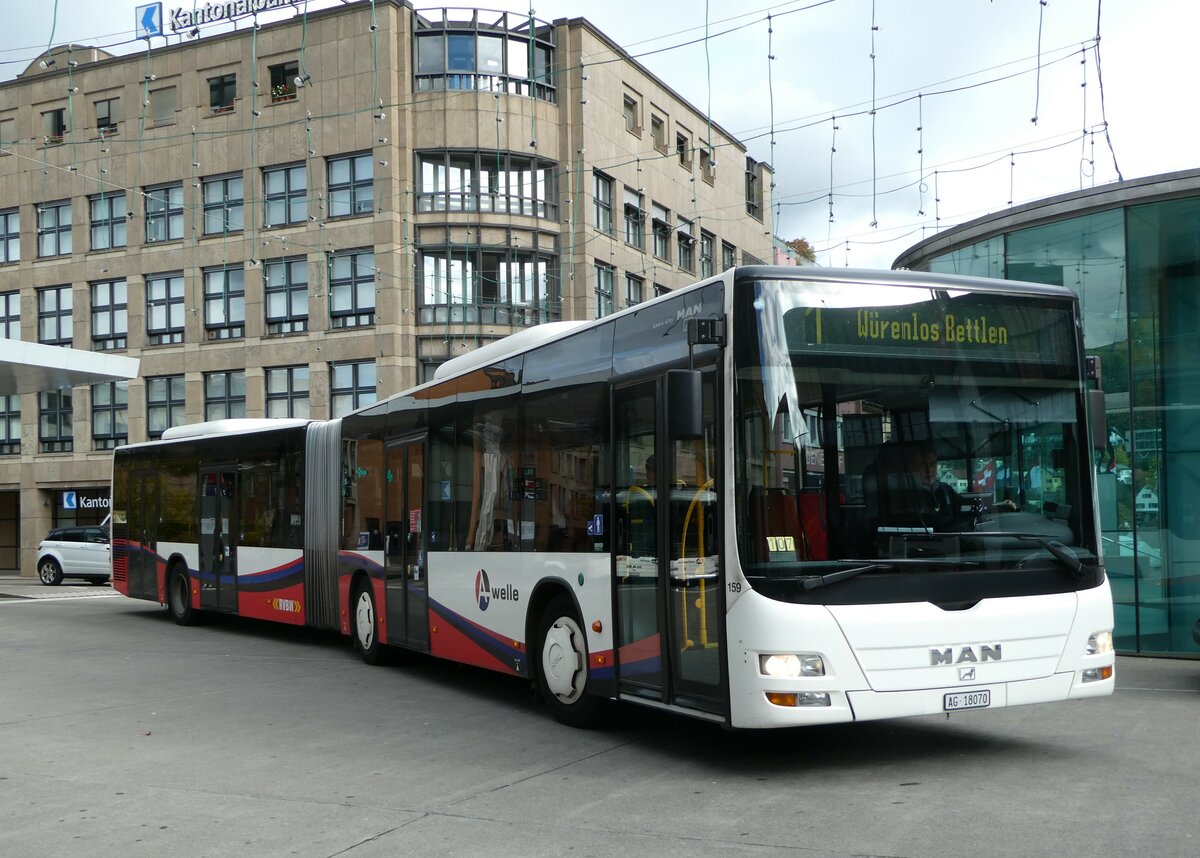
(778, 497)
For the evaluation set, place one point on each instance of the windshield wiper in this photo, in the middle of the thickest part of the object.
(842, 574)
(1060, 553)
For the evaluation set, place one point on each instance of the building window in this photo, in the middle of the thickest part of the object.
(683, 149)
(633, 116)
(708, 165)
(54, 125)
(287, 391)
(164, 213)
(352, 289)
(8, 132)
(658, 132)
(707, 243)
(107, 219)
(487, 182)
(54, 316)
(662, 231)
(54, 229)
(223, 202)
(164, 309)
(164, 404)
(10, 315)
(110, 315)
(54, 422)
(110, 410)
(635, 218)
(285, 190)
(283, 81)
(504, 286)
(753, 190)
(222, 90)
(10, 425)
(286, 287)
(602, 194)
(224, 395)
(163, 104)
(687, 245)
(224, 303)
(660, 290)
(10, 236)
(728, 256)
(634, 287)
(455, 55)
(351, 386)
(106, 117)
(604, 290)
(351, 186)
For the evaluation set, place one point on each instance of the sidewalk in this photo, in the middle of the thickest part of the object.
(30, 587)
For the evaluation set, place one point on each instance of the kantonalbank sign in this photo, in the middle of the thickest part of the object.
(210, 13)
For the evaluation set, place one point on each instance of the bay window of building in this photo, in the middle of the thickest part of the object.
(10, 425)
(661, 224)
(754, 199)
(602, 191)
(110, 414)
(351, 186)
(223, 203)
(164, 309)
(285, 195)
(10, 236)
(352, 289)
(492, 54)
(635, 219)
(110, 315)
(351, 386)
(165, 405)
(107, 220)
(54, 229)
(10, 315)
(632, 108)
(486, 182)
(225, 394)
(604, 290)
(54, 315)
(287, 391)
(164, 213)
(285, 286)
(54, 422)
(487, 286)
(224, 303)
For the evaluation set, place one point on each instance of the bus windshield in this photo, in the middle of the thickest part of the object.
(889, 432)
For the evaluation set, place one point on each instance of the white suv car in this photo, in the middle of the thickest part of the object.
(75, 552)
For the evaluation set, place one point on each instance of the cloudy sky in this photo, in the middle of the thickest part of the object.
(955, 86)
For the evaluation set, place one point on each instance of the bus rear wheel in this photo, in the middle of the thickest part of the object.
(563, 665)
(179, 597)
(365, 622)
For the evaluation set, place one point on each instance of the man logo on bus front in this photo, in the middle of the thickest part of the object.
(483, 591)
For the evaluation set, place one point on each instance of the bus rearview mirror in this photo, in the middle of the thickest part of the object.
(1097, 420)
(683, 404)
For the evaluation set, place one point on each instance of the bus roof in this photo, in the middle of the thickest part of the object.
(232, 426)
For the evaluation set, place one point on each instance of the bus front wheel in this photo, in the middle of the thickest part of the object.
(366, 625)
(563, 665)
(179, 597)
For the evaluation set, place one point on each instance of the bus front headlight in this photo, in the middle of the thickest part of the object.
(1100, 642)
(791, 665)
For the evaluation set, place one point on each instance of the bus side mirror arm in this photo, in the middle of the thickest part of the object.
(1097, 419)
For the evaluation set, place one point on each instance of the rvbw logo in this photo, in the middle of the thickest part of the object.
(484, 592)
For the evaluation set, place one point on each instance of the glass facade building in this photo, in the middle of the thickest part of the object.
(1131, 251)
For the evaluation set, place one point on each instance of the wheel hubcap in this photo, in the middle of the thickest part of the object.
(562, 660)
(364, 620)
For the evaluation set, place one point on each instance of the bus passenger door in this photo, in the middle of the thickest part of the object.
(404, 546)
(141, 548)
(218, 540)
(666, 572)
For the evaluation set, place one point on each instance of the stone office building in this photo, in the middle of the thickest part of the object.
(295, 218)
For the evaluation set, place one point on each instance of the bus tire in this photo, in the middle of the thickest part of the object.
(364, 624)
(562, 667)
(179, 597)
